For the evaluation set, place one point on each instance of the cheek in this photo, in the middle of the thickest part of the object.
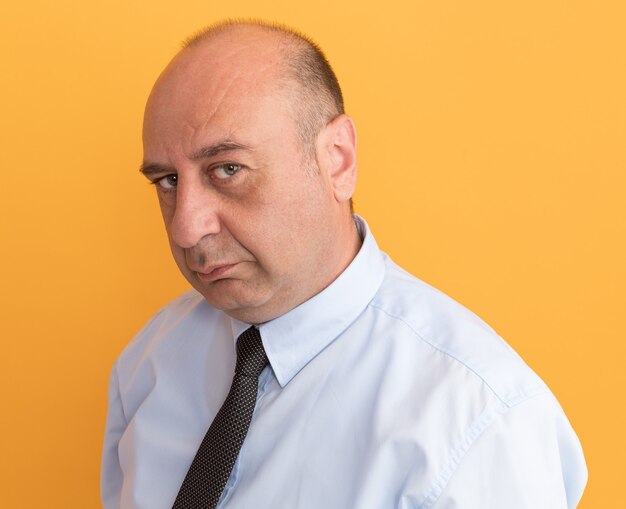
(267, 235)
(282, 242)
(167, 212)
(179, 256)
(278, 220)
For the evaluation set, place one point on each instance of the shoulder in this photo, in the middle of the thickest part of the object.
(472, 393)
(448, 328)
(177, 319)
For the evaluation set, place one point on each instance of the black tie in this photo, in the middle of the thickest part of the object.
(210, 469)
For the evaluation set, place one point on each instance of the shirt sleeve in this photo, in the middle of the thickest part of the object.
(529, 458)
(111, 472)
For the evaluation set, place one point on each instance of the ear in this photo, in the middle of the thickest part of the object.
(336, 156)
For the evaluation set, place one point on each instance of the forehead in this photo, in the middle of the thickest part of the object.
(224, 84)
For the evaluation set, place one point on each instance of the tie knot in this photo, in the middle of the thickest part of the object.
(251, 358)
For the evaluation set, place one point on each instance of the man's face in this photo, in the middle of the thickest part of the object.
(251, 222)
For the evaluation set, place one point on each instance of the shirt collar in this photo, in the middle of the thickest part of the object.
(295, 338)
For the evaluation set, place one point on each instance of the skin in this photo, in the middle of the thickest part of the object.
(253, 225)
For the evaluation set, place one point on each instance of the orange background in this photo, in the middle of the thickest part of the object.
(492, 165)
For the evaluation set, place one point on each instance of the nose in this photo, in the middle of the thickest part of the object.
(195, 214)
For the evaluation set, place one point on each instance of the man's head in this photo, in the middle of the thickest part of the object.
(254, 164)
(311, 85)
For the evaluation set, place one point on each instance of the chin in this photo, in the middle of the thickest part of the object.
(239, 303)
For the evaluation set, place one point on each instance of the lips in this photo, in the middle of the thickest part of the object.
(215, 272)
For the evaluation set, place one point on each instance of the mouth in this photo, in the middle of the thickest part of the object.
(215, 272)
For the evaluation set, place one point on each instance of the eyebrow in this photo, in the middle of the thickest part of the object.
(225, 146)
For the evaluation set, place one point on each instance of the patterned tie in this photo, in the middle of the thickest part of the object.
(210, 469)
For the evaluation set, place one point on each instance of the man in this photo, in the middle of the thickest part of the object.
(375, 391)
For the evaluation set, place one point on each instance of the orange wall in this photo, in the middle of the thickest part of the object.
(492, 165)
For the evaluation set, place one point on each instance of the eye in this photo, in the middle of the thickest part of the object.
(168, 182)
(226, 170)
